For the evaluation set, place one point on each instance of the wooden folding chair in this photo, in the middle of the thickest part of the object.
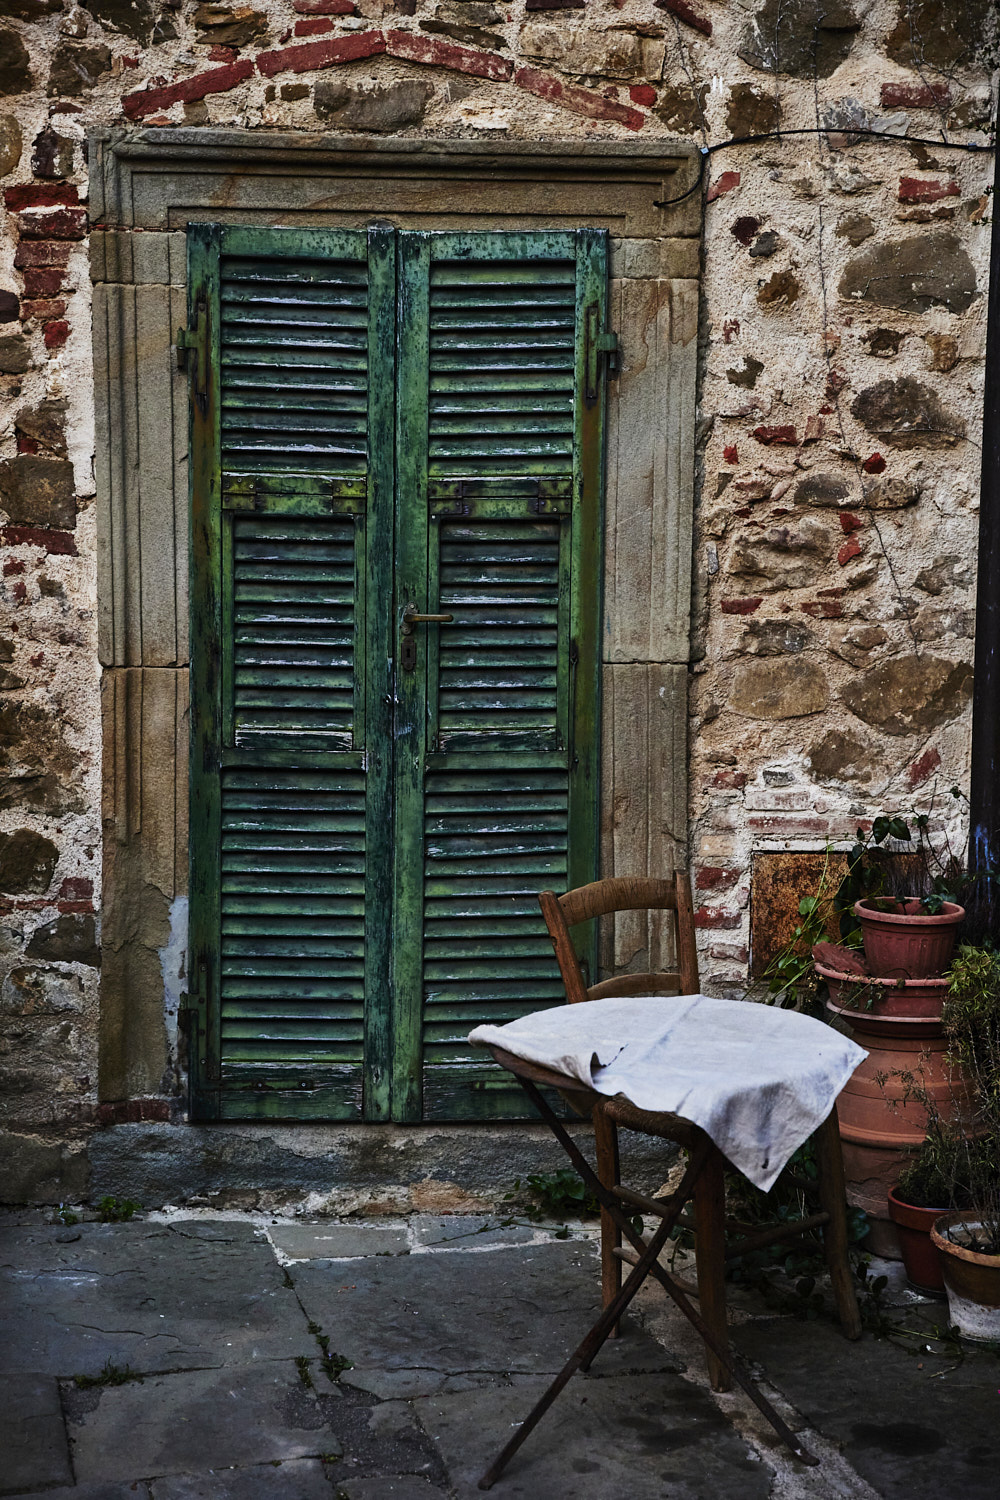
(702, 1183)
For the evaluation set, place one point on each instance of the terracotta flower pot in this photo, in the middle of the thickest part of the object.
(972, 1280)
(920, 1254)
(908, 943)
(885, 997)
(881, 1127)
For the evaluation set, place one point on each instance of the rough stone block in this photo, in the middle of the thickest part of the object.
(76, 67)
(36, 1170)
(70, 938)
(379, 109)
(15, 355)
(27, 862)
(11, 144)
(38, 492)
(910, 694)
(908, 414)
(15, 63)
(338, 1241)
(912, 275)
(35, 991)
(779, 689)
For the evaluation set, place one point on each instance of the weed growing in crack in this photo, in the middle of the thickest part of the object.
(333, 1365)
(112, 1374)
(302, 1365)
(111, 1210)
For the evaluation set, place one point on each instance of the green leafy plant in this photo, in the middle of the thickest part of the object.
(876, 873)
(555, 1195)
(65, 1215)
(111, 1210)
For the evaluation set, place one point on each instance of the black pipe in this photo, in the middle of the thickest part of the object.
(984, 788)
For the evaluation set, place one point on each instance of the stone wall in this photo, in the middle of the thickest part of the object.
(842, 338)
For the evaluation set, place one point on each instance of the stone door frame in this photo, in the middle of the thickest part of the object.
(145, 187)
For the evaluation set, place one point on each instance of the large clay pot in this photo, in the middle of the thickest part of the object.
(971, 1280)
(908, 943)
(920, 1254)
(879, 1127)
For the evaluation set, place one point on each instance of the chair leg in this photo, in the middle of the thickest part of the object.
(833, 1200)
(710, 1259)
(606, 1143)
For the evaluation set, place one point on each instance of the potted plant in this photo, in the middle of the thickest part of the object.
(908, 938)
(968, 1237)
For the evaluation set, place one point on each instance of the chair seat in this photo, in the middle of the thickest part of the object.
(662, 1123)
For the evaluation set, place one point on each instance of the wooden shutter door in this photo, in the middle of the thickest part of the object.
(499, 525)
(291, 424)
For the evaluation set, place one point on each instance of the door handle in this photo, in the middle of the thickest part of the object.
(408, 646)
(411, 618)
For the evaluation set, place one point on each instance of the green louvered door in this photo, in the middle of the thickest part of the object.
(382, 422)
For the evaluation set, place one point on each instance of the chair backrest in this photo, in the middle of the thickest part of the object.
(623, 893)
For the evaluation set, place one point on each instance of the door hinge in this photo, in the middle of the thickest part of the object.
(192, 351)
(598, 344)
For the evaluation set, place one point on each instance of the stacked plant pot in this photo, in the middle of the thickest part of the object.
(891, 1003)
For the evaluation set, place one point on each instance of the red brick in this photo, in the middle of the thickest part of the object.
(923, 767)
(722, 186)
(222, 54)
(43, 282)
(925, 190)
(686, 13)
(741, 606)
(731, 454)
(132, 1111)
(12, 566)
(710, 877)
(823, 609)
(40, 195)
(745, 228)
(733, 781)
(26, 444)
(579, 101)
(915, 95)
(324, 7)
(44, 308)
(874, 465)
(55, 334)
(214, 81)
(850, 522)
(58, 543)
(314, 27)
(788, 825)
(325, 54)
(642, 93)
(76, 888)
(446, 55)
(712, 917)
(851, 548)
(59, 224)
(771, 436)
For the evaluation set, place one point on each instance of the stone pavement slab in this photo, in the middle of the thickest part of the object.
(606, 1438)
(198, 1420)
(468, 1232)
(429, 1318)
(88, 1492)
(400, 1487)
(151, 1296)
(299, 1479)
(915, 1429)
(332, 1241)
(32, 1438)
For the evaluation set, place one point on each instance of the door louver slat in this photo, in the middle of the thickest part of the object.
(292, 980)
(294, 353)
(293, 629)
(501, 365)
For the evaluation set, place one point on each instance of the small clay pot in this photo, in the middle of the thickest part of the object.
(885, 997)
(908, 943)
(920, 1254)
(971, 1280)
